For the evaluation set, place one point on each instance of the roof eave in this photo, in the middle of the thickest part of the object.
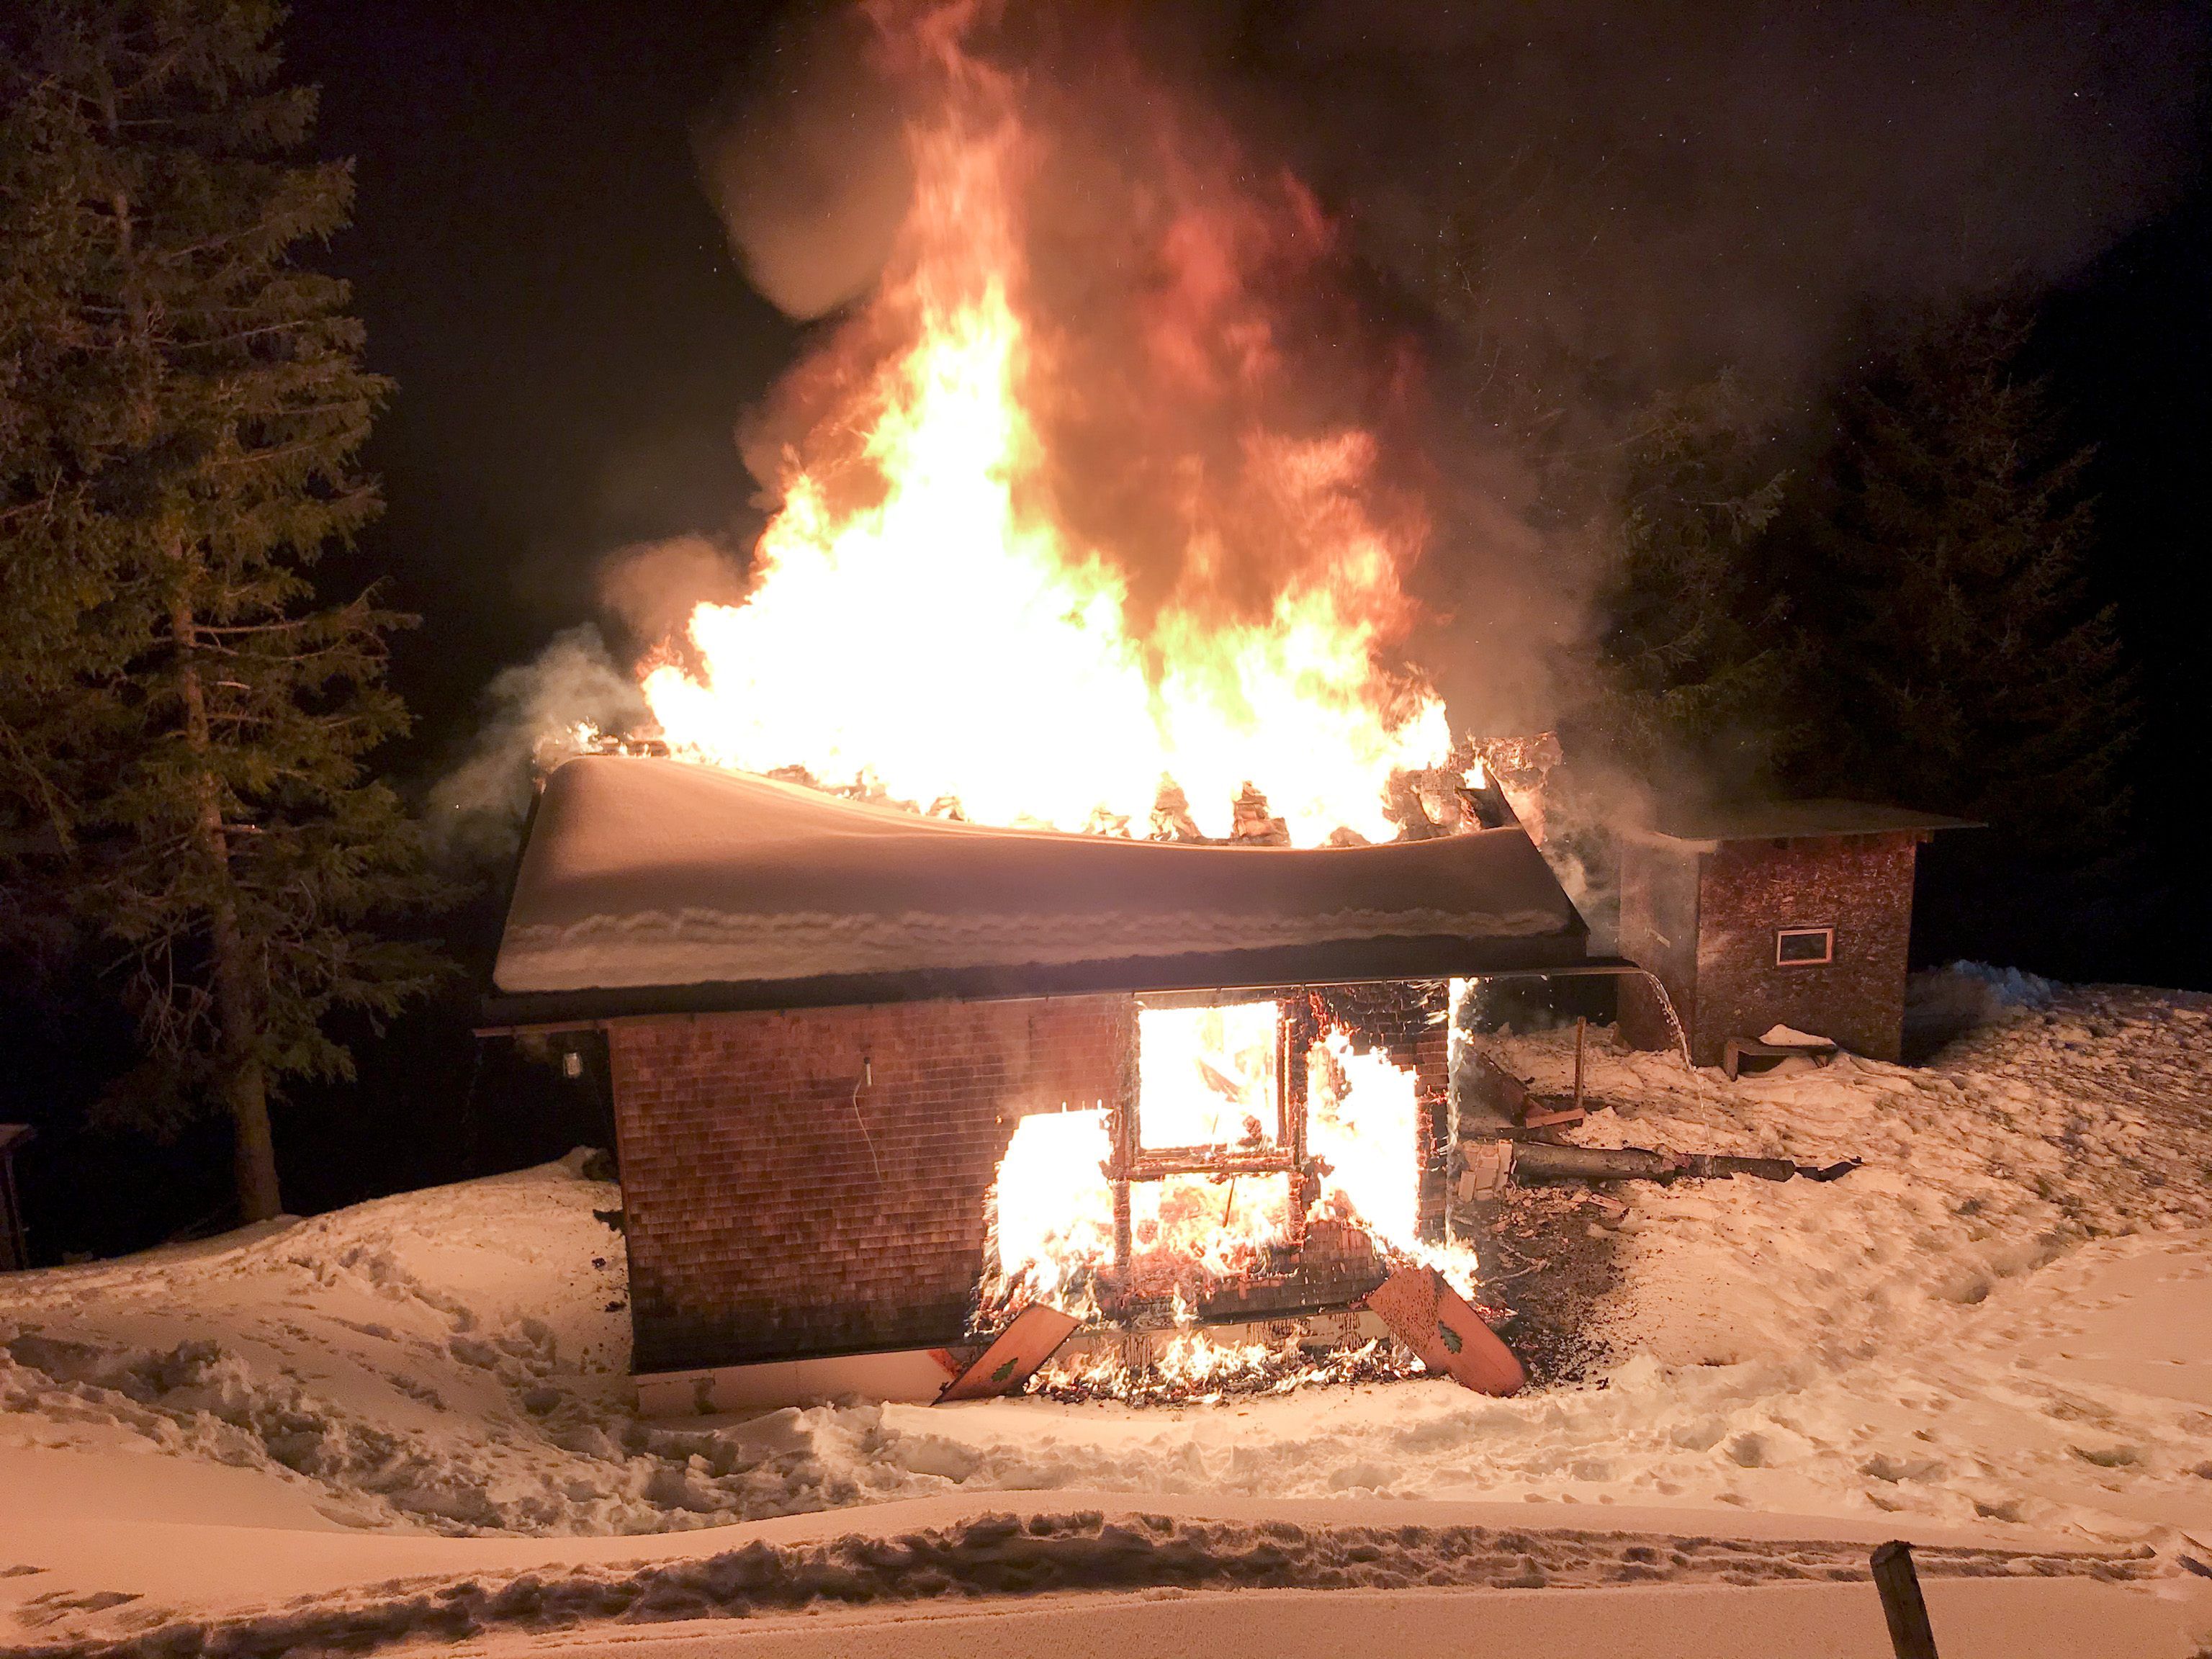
(1339, 961)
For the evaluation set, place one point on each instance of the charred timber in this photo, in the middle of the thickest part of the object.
(1152, 1164)
(1537, 1161)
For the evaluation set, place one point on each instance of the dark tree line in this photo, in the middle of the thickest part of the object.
(1901, 613)
(185, 724)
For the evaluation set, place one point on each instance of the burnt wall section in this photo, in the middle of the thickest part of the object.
(1332, 1264)
(1411, 1021)
(776, 1207)
(1860, 885)
(1659, 932)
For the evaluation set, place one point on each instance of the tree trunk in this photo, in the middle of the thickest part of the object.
(245, 1086)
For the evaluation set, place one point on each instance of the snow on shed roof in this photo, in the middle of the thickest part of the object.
(640, 875)
(1789, 820)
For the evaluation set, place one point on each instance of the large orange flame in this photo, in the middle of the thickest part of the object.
(936, 616)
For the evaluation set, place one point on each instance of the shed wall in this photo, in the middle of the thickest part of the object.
(757, 1225)
(1860, 885)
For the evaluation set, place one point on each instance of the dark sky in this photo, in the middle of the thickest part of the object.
(540, 274)
(575, 345)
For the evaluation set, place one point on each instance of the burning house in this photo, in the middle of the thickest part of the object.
(1046, 896)
(881, 1080)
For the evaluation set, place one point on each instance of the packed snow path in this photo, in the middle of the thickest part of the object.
(1002, 1555)
(2004, 1319)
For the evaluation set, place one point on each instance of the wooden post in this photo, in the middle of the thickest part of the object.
(14, 1245)
(1581, 1029)
(1901, 1602)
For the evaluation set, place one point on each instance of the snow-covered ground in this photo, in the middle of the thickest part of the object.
(1997, 1333)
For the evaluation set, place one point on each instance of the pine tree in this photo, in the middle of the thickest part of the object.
(1947, 640)
(181, 411)
(1692, 665)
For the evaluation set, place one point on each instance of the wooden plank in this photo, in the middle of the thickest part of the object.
(1034, 1337)
(1549, 1117)
(1495, 1093)
(1436, 1322)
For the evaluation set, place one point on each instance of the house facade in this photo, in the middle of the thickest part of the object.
(871, 1069)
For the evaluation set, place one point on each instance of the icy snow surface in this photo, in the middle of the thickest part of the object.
(2003, 1324)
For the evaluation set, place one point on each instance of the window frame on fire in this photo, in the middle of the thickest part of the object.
(1825, 932)
(1133, 1161)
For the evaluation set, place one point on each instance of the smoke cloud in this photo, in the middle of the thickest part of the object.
(653, 585)
(1671, 189)
(804, 163)
(532, 711)
(1523, 224)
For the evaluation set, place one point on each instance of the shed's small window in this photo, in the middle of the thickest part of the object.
(1804, 947)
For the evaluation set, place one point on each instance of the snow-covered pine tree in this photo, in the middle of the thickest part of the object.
(180, 421)
(1949, 646)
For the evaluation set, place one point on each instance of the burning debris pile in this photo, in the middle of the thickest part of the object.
(1196, 1370)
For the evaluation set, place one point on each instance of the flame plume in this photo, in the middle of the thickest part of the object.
(1047, 548)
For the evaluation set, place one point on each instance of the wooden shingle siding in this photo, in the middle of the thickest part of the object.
(770, 1216)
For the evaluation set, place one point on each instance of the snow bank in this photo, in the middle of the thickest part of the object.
(1003, 1555)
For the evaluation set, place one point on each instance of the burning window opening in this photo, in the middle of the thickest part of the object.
(1269, 1157)
(1052, 1215)
(1209, 1077)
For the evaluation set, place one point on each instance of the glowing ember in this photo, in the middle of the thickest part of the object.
(1195, 1370)
(926, 619)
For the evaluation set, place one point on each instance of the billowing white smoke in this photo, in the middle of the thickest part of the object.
(477, 809)
(807, 167)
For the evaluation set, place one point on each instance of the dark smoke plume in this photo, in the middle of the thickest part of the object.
(1676, 189)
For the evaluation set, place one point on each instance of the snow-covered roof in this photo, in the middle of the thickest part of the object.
(1789, 820)
(652, 875)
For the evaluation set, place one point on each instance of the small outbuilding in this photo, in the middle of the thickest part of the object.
(1782, 913)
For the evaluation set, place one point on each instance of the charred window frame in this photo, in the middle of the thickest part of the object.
(1132, 1161)
(1804, 947)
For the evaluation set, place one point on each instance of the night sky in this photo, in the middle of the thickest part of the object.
(540, 273)
(575, 345)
